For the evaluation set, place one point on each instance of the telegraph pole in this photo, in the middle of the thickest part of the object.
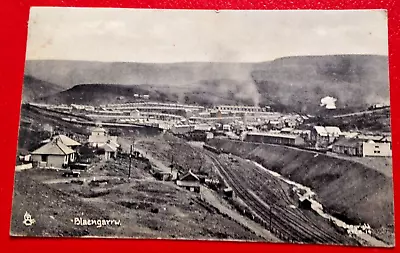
(270, 217)
(130, 162)
(172, 163)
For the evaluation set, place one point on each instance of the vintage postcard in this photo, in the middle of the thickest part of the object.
(266, 126)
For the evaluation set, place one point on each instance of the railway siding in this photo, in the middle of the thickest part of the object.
(347, 189)
(291, 225)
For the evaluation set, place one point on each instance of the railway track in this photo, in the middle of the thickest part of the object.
(291, 224)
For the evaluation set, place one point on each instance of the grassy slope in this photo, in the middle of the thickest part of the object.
(34, 88)
(51, 209)
(344, 187)
(181, 214)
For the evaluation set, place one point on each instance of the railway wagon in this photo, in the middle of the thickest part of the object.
(212, 149)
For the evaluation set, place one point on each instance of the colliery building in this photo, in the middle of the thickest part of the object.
(237, 108)
(275, 138)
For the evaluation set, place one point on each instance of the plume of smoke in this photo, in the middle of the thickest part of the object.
(328, 102)
(248, 90)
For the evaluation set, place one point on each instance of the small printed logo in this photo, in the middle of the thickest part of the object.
(28, 221)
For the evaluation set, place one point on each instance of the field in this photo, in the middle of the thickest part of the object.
(349, 190)
(145, 207)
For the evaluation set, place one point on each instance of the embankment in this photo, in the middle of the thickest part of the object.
(348, 190)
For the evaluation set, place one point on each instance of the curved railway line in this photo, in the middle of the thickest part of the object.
(292, 225)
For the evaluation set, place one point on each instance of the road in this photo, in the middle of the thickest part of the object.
(290, 224)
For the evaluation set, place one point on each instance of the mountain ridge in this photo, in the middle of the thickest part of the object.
(296, 82)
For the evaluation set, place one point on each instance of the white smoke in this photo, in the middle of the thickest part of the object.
(328, 102)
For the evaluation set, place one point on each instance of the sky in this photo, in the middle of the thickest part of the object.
(160, 36)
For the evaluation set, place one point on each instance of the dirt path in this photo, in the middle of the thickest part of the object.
(90, 178)
(126, 144)
(209, 197)
(158, 164)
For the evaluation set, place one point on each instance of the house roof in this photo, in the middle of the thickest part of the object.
(187, 183)
(333, 130)
(328, 130)
(53, 148)
(99, 129)
(370, 137)
(109, 148)
(190, 173)
(350, 134)
(202, 127)
(66, 140)
(320, 130)
(287, 129)
(272, 134)
(387, 139)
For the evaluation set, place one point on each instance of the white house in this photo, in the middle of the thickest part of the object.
(110, 151)
(53, 154)
(99, 137)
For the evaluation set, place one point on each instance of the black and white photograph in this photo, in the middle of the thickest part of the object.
(224, 125)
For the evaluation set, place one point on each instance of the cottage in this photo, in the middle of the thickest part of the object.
(110, 151)
(54, 154)
(322, 137)
(99, 137)
(189, 181)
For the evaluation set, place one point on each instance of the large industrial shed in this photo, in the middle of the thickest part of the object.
(275, 138)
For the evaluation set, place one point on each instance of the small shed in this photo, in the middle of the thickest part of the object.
(305, 204)
(228, 192)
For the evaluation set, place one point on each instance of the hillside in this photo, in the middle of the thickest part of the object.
(34, 88)
(301, 82)
(291, 83)
(347, 189)
(97, 94)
